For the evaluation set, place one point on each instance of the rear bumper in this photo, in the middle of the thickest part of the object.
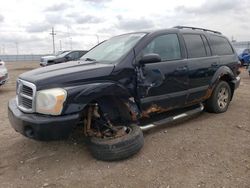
(236, 82)
(41, 127)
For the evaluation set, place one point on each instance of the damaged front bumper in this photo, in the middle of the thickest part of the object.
(41, 127)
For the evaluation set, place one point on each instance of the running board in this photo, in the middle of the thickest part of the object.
(173, 118)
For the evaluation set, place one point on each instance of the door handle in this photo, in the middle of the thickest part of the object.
(184, 68)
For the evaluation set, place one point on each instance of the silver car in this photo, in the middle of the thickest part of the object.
(3, 73)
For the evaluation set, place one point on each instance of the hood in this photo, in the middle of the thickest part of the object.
(67, 74)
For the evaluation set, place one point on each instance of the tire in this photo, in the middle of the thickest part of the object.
(107, 149)
(220, 98)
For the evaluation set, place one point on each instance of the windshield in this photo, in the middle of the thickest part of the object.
(60, 52)
(113, 49)
(63, 54)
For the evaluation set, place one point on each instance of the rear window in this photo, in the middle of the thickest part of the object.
(195, 46)
(220, 46)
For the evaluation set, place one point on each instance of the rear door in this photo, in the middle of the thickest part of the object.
(201, 64)
(222, 47)
(165, 82)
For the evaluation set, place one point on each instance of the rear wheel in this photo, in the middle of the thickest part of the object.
(220, 98)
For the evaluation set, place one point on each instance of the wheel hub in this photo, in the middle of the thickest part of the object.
(223, 97)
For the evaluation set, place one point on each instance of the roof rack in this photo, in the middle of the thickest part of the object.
(197, 28)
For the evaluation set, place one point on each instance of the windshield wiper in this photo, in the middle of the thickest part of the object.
(89, 59)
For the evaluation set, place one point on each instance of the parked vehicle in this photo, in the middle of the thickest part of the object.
(44, 59)
(244, 56)
(126, 85)
(62, 57)
(3, 73)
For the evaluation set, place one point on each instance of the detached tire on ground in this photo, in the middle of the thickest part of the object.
(112, 149)
(220, 98)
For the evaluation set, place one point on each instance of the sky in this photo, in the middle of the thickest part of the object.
(25, 25)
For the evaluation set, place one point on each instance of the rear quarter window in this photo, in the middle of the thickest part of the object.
(220, 46)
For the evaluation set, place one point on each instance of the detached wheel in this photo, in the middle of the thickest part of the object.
(220, 98)
(117, 148)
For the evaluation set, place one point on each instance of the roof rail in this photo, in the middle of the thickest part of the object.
(197, 28)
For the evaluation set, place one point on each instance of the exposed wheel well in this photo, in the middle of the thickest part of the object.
(117, 108)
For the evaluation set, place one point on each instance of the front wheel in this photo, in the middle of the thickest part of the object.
(220, 98)
(119, 147)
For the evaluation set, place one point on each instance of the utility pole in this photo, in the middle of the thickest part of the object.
(17, 50)
(98, 41)
(71, 43)
(3, 49)
(60, 45)
(53, 39)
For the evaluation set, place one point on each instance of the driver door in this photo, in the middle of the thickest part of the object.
(164, 84)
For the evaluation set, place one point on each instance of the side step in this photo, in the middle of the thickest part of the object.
(173, 118)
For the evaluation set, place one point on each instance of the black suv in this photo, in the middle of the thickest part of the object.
(127, 84)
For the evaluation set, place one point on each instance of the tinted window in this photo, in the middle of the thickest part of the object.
(195, 46)
(73, 55)
(220, 46)
(167, 46)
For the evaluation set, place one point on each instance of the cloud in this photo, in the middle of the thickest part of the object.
(57, 18)
(134, 24)
(212, 7)
(83, 19)
(98, 1)
(38, 27)
(1, 18)
(57, 7)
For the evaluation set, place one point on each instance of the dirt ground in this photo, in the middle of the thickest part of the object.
(210, 150)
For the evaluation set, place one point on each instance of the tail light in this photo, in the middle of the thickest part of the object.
(238, 68)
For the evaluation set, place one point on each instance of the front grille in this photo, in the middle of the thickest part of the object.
(27, 90)
(25, 96)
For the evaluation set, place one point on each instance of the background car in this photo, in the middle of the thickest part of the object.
(3, 73)
(46, 58)
(244, 56)
(62, 57)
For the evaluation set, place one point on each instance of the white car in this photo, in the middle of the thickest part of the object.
(3, 73)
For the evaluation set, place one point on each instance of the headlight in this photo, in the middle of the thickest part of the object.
(50, 101)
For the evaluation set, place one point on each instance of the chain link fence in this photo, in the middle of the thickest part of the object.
(22, 58)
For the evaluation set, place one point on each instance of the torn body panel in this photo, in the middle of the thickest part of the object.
(82, 95)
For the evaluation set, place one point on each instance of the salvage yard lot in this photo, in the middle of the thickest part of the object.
(209, 150)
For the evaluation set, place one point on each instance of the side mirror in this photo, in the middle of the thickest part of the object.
(150, 58)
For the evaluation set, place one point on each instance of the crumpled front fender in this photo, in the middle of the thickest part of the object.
(80, 96)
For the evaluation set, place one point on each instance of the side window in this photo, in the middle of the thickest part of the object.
(167, 46)
(195, 45)
(73, 55)
(220, 46)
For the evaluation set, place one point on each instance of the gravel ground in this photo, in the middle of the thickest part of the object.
(210, 150)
